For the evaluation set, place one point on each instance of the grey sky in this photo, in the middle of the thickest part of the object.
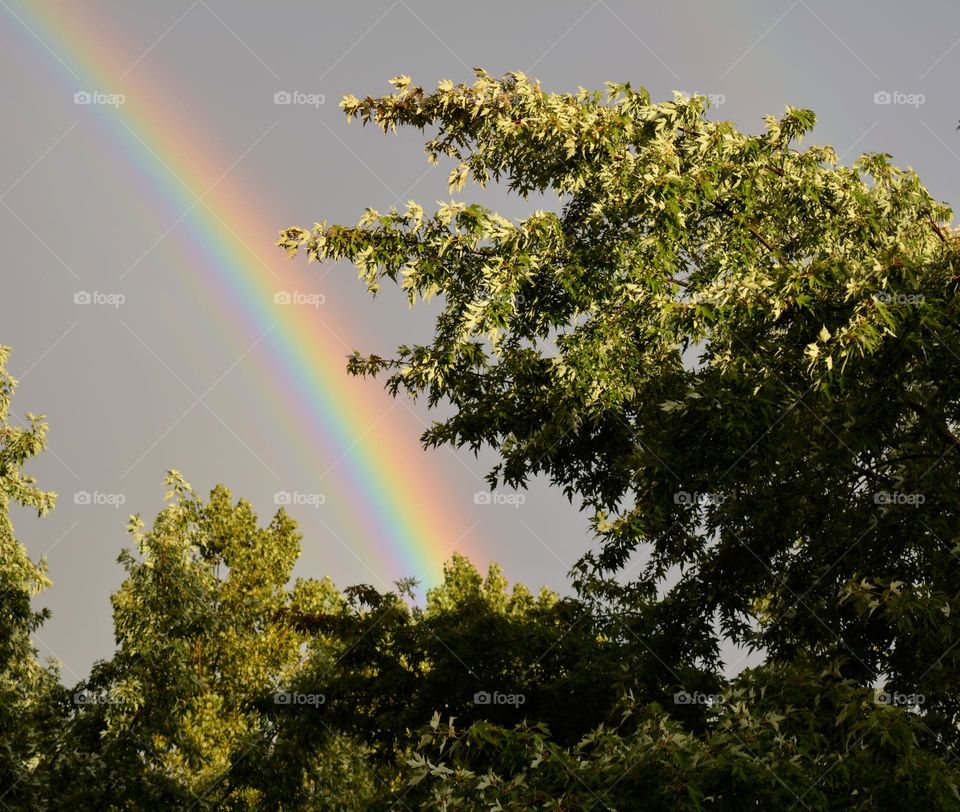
(120, 385)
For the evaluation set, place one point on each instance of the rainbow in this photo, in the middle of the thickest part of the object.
(401, 515)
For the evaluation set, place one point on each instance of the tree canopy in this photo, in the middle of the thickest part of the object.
(739, 356)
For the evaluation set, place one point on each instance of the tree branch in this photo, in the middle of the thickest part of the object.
(941, 428)
(756, 235)
(937, 230)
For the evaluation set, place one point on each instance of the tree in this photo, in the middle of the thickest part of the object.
(230, 688)
(190, 711)
(200, 706)
(741, 357)
(28, 688)
(396, 665)
(777, 740)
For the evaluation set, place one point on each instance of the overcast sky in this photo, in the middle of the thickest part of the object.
(160, 193)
